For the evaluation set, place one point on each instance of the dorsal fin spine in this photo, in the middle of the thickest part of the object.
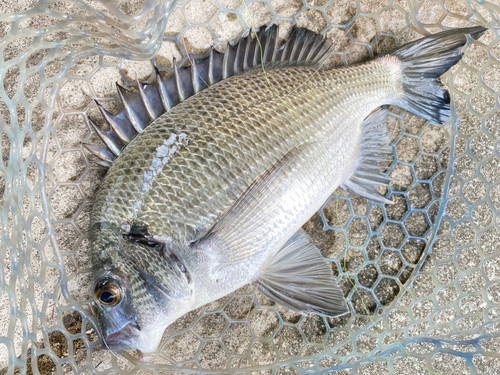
(211, 66)
(240, 56)
(310, 55)
(297, 48)
(165, 97)
(123, 130)
(109, 138)
(248, 51)
(195, 77)
(178, 83)
(215, 74)
(256, 50)
(124, 97)
(324, 53)
(229, 60)
(293, 46)
(141, 86)
(270, 46)
(274, 53)
(286, 46)
(314, 51)
(266, 49)
(305, 49)
(101, 151)
(225, 62)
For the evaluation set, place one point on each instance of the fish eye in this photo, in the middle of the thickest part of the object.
(108, 292)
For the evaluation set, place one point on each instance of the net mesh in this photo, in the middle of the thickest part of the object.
(426, 271)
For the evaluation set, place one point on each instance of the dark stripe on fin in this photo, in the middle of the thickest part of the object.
(423, 62)
(375, 148)
(151, 101)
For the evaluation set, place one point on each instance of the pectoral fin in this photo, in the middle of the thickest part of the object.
(241, 214)
(299, 278)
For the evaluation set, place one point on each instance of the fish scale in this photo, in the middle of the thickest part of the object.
(146, 144)
(176, 181)
(179, 119)
(179, 185)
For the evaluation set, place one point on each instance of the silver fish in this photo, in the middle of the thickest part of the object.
(212, 194)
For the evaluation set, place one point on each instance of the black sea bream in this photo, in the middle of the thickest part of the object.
(212, 194)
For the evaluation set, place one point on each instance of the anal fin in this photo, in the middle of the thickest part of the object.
(299, 278)
(375, 148)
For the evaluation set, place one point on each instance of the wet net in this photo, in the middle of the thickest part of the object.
(422, 277)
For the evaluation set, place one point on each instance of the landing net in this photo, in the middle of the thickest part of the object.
(426, 270)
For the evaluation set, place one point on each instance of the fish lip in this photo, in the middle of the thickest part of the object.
(123, 338)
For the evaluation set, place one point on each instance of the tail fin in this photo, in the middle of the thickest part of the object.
(423, 62)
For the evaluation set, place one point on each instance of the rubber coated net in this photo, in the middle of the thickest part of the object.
(422, 277)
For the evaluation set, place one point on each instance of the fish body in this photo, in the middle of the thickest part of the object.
(212, 194)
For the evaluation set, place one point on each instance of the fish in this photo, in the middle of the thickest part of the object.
(214, 170)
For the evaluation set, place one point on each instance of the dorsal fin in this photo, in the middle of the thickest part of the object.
(303, 47)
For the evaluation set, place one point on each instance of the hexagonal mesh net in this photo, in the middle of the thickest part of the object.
(426, 270)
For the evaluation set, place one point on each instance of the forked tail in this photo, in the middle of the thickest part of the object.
(423, 62)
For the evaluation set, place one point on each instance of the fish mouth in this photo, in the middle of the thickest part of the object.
(124, 338)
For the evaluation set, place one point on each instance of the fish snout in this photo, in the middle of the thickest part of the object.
(124, 338)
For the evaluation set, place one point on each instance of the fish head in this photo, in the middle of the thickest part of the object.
(138, 292)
